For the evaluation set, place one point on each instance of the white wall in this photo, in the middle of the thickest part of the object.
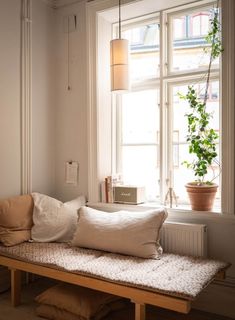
(10, 171)
(43, 98)
(71, 106)
(43, 115)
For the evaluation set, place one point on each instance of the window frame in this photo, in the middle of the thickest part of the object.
(95, 106)
(166, 80)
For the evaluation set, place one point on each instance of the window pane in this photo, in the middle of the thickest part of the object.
(180, 151)
(188, 32)
(179, 29)
(140, 140)
(200, 24)
(140, 117)
(144, 51)
(140, 168)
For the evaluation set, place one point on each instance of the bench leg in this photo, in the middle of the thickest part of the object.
(15, 287)
(139, 311)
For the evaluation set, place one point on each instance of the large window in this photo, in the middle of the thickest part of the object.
(167, 55)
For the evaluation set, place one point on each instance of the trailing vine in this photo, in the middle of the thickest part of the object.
(201, 138)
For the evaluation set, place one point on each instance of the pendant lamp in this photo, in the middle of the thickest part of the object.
(119, 61)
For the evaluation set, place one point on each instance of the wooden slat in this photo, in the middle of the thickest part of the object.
(134, 294)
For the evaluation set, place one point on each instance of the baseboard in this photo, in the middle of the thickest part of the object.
(218, 298)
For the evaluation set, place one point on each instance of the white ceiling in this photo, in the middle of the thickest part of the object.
(133, 8)
(137, 8)
(60, 3)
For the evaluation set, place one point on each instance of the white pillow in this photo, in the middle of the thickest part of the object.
(54, 220)
(130, 233)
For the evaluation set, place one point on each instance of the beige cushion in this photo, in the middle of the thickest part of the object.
(83, 302)
(56, 313)
(130, 233)
(16, 219)
(54, 220)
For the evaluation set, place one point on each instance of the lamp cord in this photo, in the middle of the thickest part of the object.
(119, 19)
(68, 53)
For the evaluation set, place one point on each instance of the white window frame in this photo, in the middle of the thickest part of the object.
(167, 76)
(95, 174)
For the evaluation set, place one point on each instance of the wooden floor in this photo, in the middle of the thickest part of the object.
(161, 314)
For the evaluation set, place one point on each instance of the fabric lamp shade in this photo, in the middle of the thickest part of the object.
(119, 64)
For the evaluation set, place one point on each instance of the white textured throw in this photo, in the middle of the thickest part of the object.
(171, 274)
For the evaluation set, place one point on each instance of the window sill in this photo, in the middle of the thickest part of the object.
(174, 214)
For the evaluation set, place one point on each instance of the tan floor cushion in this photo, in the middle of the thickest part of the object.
(64, 300)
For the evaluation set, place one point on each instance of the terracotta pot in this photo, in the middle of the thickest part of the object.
(201, 196)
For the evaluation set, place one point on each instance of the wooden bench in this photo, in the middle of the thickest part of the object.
(138, 296)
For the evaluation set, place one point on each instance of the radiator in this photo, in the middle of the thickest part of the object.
(184, 238)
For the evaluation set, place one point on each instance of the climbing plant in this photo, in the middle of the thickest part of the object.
(201, 137)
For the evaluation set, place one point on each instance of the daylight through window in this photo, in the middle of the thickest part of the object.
(167, 55)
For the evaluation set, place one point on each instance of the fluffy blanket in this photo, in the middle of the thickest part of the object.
(171, 274)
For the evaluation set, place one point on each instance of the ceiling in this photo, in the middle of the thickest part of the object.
(60, 3)
(140, 7)
(137, 8)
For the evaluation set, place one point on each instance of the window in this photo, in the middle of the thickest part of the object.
(179, 28)
(144, 40)
(139, 143)
(200, 24)
(102, 133)
(187, 50)
(151, 127)
(181, 174)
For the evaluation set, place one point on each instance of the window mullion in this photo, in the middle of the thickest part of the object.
(170, 115)
(118, 131)
(163, 109)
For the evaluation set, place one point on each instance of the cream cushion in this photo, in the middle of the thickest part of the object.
(16, 219)
(54, 220)
(56, 313)
(64, 300)
(130, 233)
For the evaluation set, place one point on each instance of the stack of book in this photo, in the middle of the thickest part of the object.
(107, 187)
